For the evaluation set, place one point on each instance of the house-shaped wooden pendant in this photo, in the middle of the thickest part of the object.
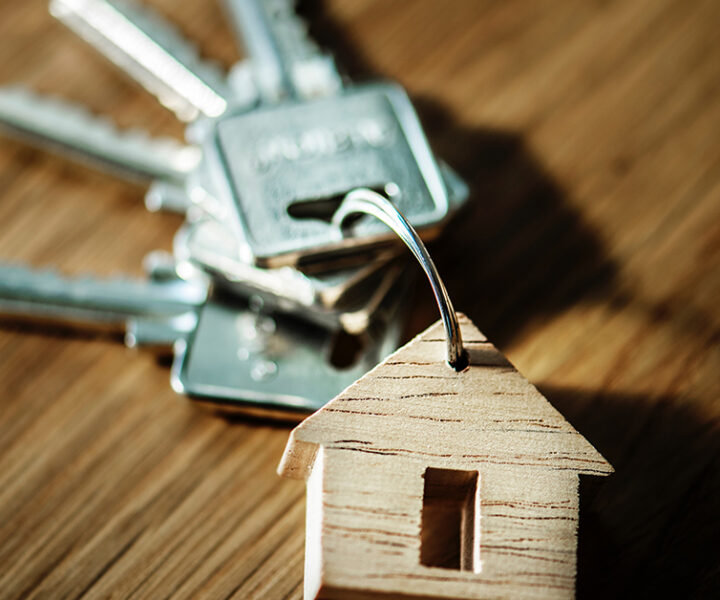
(423, 482)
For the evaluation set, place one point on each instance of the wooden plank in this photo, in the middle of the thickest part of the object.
(589, 255)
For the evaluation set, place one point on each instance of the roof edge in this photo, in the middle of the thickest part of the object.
(298, 458)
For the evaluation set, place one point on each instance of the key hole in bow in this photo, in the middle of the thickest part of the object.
(323, 208)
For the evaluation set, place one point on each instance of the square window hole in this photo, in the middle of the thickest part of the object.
(449, 524)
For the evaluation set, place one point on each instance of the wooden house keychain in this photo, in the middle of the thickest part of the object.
(441, 473)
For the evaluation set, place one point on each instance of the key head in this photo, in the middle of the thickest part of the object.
(246, 361)
(288, 167)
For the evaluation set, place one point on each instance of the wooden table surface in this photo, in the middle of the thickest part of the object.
(589, 252)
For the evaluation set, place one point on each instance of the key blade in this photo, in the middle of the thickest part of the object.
(159, 334)
(151, 51)
(167, 197)
(27, 293)
(287, 61)
(61, 126)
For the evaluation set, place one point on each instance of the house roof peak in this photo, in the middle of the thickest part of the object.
(414, 405)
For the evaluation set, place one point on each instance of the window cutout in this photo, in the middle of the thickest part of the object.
(449, 528)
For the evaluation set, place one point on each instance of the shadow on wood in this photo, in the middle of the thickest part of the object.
(651, 530)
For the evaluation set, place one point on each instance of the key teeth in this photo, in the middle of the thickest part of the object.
(166, 36)
(169, 36)
(22, 108)
(19, 273)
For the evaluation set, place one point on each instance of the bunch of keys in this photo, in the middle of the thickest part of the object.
(262, 285)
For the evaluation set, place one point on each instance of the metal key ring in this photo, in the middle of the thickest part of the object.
(369, 202)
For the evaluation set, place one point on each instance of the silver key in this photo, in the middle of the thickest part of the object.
(286, 61)
(283, 367)
(283, 169)
(151, 51)
(114, 304)
(68, 128)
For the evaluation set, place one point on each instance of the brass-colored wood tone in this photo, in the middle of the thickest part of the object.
(589, 254)
(424, 482)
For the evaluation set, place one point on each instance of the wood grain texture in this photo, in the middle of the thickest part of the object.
(589, 254)
(384, 462)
